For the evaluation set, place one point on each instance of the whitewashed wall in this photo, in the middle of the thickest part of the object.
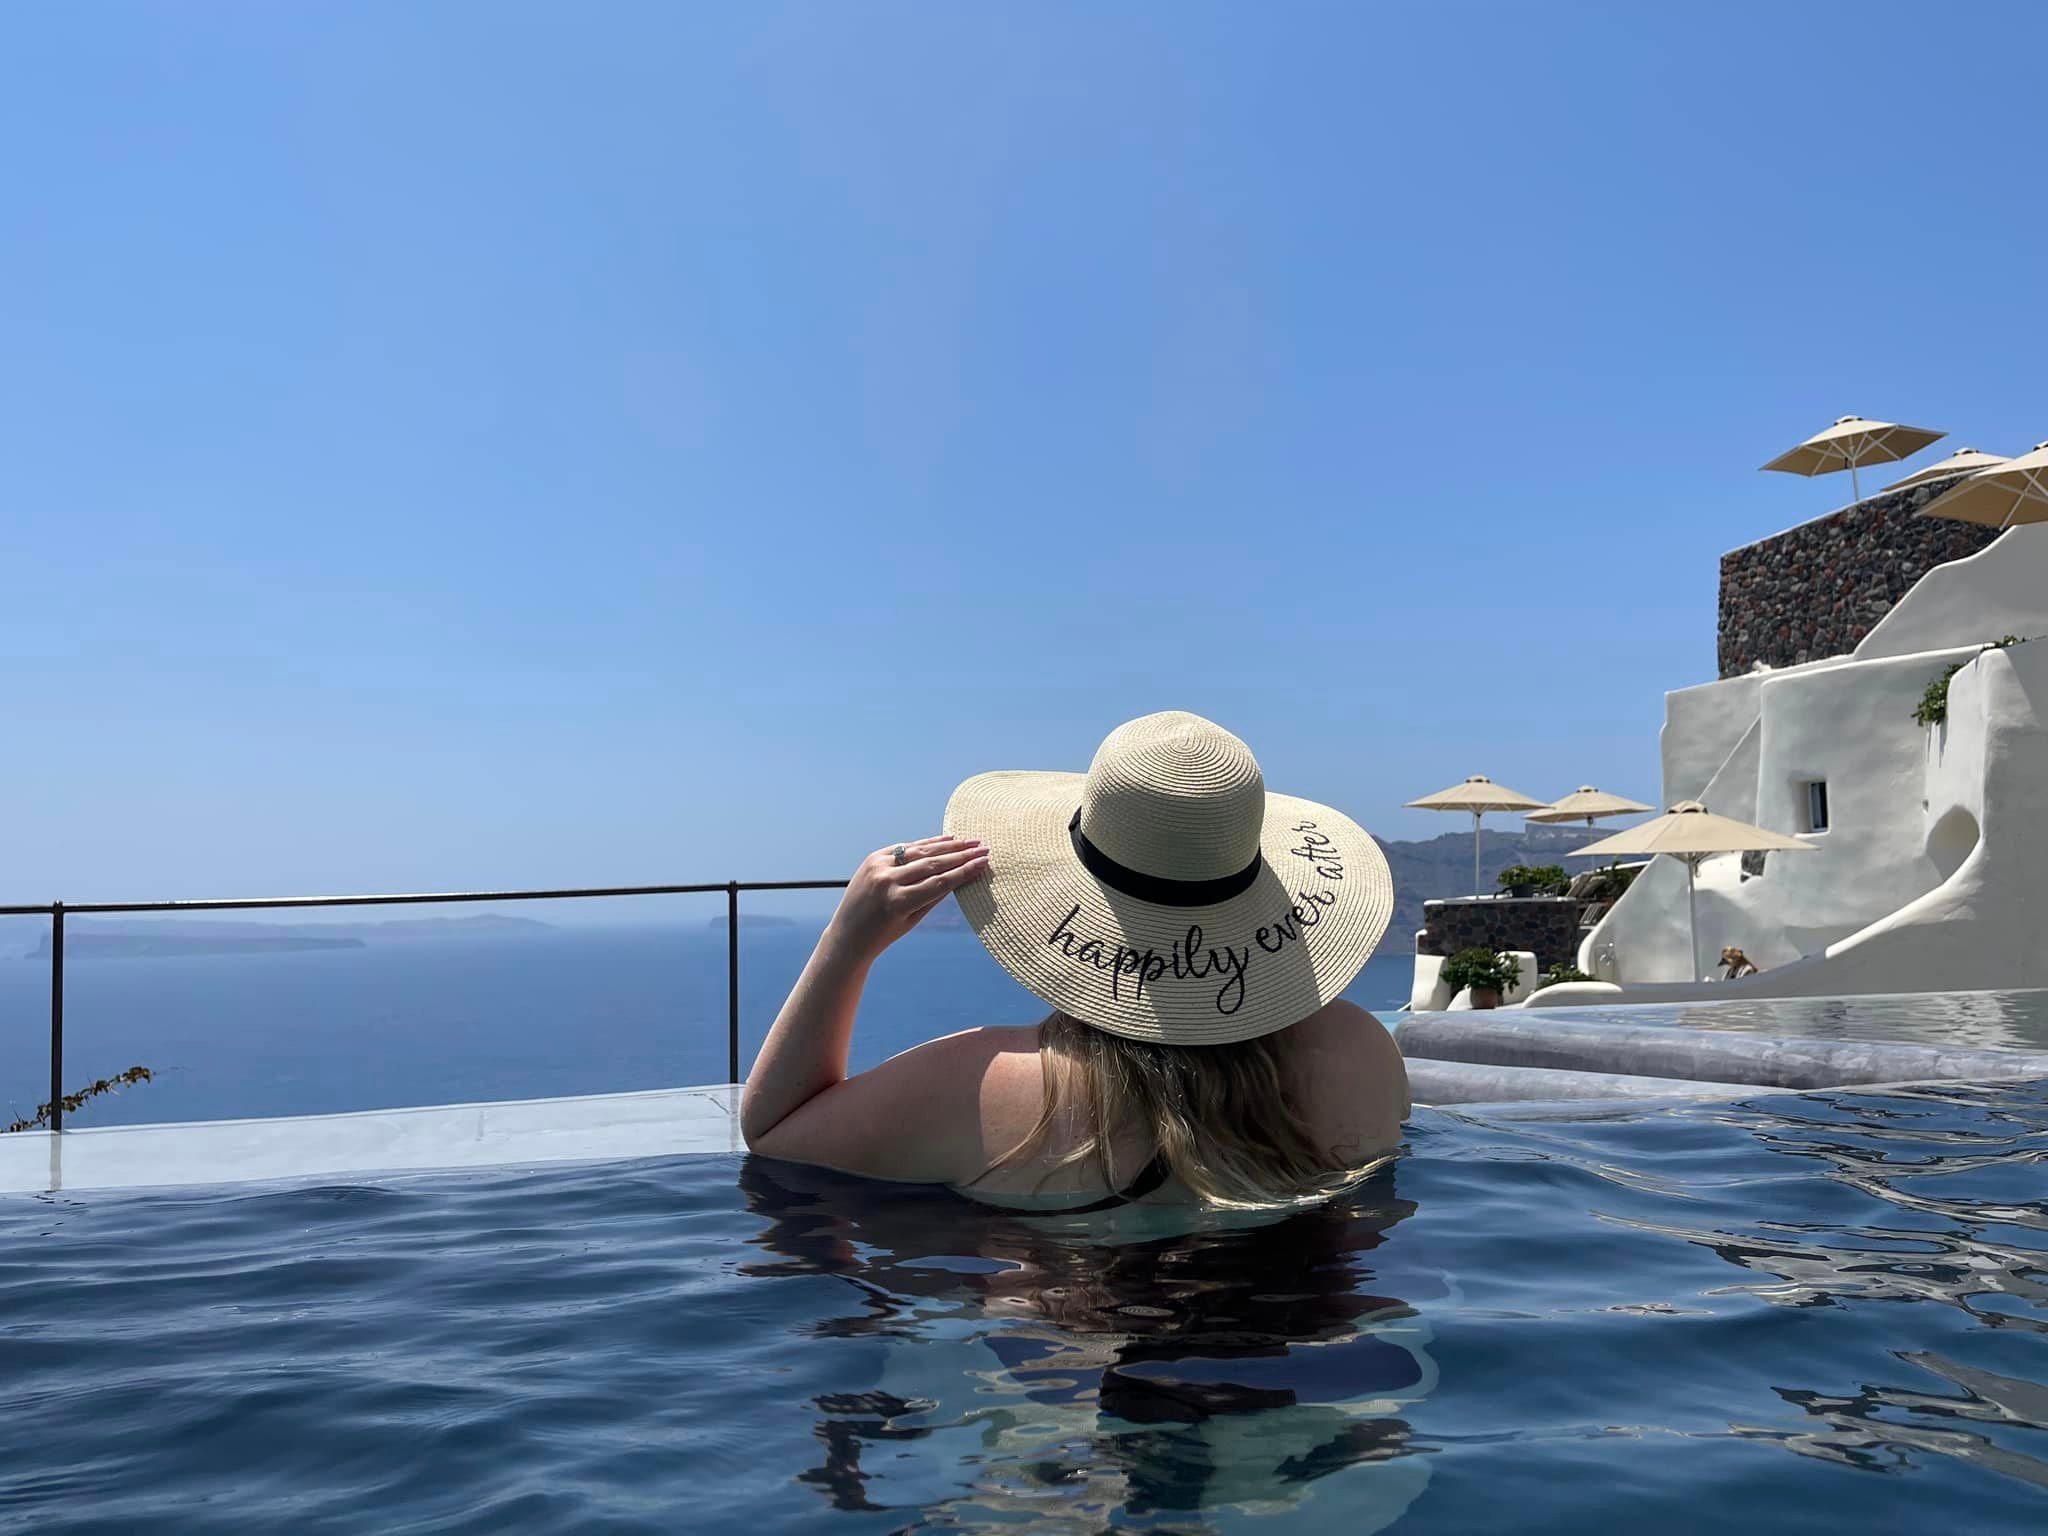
(1983, 825)
(2000, 590)
(1747, 745)
(1849, 725)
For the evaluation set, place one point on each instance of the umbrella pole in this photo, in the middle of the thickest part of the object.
(1475, 853)
(1692, 903)
(1856, 494)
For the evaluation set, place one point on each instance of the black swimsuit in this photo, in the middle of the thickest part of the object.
(1150, 1177)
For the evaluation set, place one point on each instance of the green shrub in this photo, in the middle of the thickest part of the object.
(1480, 968)
(1544, 877)
(1561, 972)
(1933, 706)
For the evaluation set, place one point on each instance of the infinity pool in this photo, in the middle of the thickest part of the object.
(1823, 1312)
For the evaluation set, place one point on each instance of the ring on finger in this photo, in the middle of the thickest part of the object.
(902, 855)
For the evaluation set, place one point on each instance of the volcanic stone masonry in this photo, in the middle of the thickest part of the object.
(1548, 926)
(1818, 589)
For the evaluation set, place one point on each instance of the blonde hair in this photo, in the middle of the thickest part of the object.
(1220, 1117)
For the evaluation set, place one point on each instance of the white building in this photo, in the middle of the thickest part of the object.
(1932, 873)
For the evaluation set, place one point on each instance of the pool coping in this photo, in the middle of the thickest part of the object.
(703, 1120)
(660, 1122)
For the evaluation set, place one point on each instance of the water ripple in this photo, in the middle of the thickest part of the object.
(1697, 1317)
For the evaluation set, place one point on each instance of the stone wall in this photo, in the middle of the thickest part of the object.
(1546, 925)
(1818, 589)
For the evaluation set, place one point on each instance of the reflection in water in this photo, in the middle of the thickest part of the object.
(1822, 1312)
(1911, 1150)
(1034, 1370)
(1959, 1168)
(1026, 1369)
(1862, 1435)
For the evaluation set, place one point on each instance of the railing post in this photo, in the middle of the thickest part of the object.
(56, 1015)
(732, 981)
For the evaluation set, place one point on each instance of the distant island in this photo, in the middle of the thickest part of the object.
(142, 946)
(91, 938)
(757, 920)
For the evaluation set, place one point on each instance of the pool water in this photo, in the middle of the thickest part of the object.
(1822, 1312)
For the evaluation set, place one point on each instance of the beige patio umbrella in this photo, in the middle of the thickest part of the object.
(1478, 795)
(1587, 803)
(1692, 834)
(2013, 492)
(1851, 442)
(1962, 462)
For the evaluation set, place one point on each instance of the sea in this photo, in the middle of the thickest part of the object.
(535, 1013)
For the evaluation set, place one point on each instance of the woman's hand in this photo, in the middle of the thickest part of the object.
(885, 899)
(797, 1078)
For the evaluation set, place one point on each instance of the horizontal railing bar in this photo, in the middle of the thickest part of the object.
(260, 903)
(56, 911)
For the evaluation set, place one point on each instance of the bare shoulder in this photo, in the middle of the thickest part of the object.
(976, 1069)
(1013, 1039)
(988, 1042)
(921, 1116)
(1002, 1055)
(1349, 1078)
(1343, 1026)
(1012, 1086)
(989, 1081)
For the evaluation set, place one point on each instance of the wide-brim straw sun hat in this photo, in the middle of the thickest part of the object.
(1165, 894)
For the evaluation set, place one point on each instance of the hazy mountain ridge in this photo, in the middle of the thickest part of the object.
(138, 937)
(1442, 866)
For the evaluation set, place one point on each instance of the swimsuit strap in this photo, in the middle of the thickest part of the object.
(1151, 1177)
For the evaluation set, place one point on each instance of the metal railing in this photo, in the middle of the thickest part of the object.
(57, 911)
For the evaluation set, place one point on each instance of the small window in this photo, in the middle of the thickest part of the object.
(1816, 805)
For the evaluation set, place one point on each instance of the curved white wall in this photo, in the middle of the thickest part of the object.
(1983, 926)
(1849, 725)
(2000, 590)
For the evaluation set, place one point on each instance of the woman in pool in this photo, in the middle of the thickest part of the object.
(1192, 934)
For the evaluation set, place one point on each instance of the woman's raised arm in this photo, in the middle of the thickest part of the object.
(804, 1055)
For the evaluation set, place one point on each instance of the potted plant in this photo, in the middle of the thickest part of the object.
(1534, 879)
(1487, 975)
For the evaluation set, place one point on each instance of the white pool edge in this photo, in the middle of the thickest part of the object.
(514, 1133)
(664, 1122)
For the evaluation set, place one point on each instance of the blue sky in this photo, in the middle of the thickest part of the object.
(460, 444)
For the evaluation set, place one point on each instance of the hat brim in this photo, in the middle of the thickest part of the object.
(1208, 975)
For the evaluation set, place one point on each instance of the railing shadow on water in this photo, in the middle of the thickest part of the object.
(57, 911)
